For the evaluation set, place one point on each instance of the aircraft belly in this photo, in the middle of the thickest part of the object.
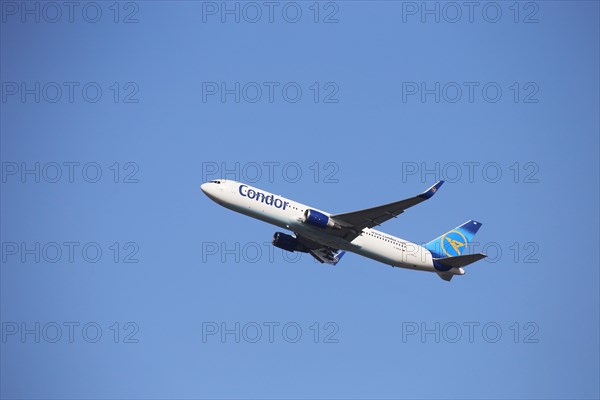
(393, 255)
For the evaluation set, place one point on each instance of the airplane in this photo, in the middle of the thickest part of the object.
(328, 236)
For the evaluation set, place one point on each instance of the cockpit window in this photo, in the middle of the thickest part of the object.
(215, 182)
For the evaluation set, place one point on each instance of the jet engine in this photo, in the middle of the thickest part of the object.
(288, 243)
(319, 219)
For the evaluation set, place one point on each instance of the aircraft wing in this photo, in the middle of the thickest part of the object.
(354, 222)
(322, 253)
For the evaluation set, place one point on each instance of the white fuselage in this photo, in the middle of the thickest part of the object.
(288, 214)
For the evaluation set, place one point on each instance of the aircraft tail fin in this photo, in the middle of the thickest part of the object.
(455, 242)
(449, 251)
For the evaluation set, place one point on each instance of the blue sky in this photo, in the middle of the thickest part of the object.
(372, 103)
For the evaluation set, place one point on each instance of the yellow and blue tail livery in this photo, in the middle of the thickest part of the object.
(449, 251)
(455, 242)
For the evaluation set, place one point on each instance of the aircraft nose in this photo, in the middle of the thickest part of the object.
(204, 188)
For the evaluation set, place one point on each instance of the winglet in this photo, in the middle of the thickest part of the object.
(338, 257)
(431, 191)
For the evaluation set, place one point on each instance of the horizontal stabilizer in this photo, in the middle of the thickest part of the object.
(446, 264)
